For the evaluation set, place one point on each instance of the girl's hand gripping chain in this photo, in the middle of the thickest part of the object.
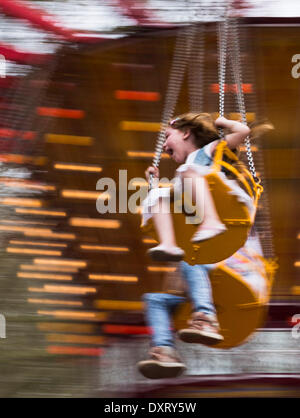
(152, 176)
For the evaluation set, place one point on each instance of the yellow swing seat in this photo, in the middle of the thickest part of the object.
(233, 213)
(241, 309)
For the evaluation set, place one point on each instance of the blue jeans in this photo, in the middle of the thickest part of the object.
(161, 306)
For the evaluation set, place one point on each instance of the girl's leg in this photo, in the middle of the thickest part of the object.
(199, 287)
(164, 361)
(203, 325)
(163, 224)
(159, 309)
(167, 250)
(211, 224)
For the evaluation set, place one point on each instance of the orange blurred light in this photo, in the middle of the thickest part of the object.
(60, 113)
(11, 133)
(95, 223)
(26, 222)
(32, 251)
(22, 159)
(27, 185)
(84, 194)
(138, 183)
(37, 243)
(254, 148)
(161, 269)
(119, 305)
(77, 167)
(72, 290)
(75, 351)
(147, 96)
(60, 262)
(40, 276)
(246, 88)
(48, 268)
(25, 229)
(48, 234)
(55, 302)
(149, 241)
(232, 88)
(40, 212)
(126, 329)
(143, 154)
(104, 248)
(18, 201)
(113, 278)
(85, 316)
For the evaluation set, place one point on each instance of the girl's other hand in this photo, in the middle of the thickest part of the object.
(152, 170)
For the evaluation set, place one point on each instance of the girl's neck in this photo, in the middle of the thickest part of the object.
(190, 148)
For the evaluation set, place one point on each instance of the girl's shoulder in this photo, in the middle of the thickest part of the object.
(209, 149)
(204, 155)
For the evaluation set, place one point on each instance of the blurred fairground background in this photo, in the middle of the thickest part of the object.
(82, 92)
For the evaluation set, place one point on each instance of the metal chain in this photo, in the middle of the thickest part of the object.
(196, 72)
(237, 74)
(183, 47)
(181, 57)
(222, 47)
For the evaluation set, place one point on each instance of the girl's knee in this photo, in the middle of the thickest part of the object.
(153, 297)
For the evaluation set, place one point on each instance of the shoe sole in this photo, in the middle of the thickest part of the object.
(159, 255)
(158, 370)
(206, 338)
(198, 241)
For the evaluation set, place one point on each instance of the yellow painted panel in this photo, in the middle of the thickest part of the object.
(69, 139)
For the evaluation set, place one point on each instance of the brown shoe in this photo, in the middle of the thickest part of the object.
(203, 329)
(164, 362)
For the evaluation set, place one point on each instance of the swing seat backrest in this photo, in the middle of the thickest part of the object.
(241, 308)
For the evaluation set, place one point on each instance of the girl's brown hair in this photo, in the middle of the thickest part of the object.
(200, 124)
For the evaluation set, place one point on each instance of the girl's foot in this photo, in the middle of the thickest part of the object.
(203, 329)
(164, 362)
(206, 233)
(164, 253)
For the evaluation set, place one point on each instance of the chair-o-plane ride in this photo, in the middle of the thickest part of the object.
(240, 304)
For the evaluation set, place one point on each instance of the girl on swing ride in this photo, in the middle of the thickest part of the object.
(191, 140)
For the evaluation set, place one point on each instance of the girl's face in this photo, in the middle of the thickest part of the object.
(176, 144)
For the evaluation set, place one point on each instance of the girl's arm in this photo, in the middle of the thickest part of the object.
(238, 131)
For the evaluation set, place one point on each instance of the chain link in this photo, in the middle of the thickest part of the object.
(196, 72)
(237, 73)
(222, 58)
(182, 53)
